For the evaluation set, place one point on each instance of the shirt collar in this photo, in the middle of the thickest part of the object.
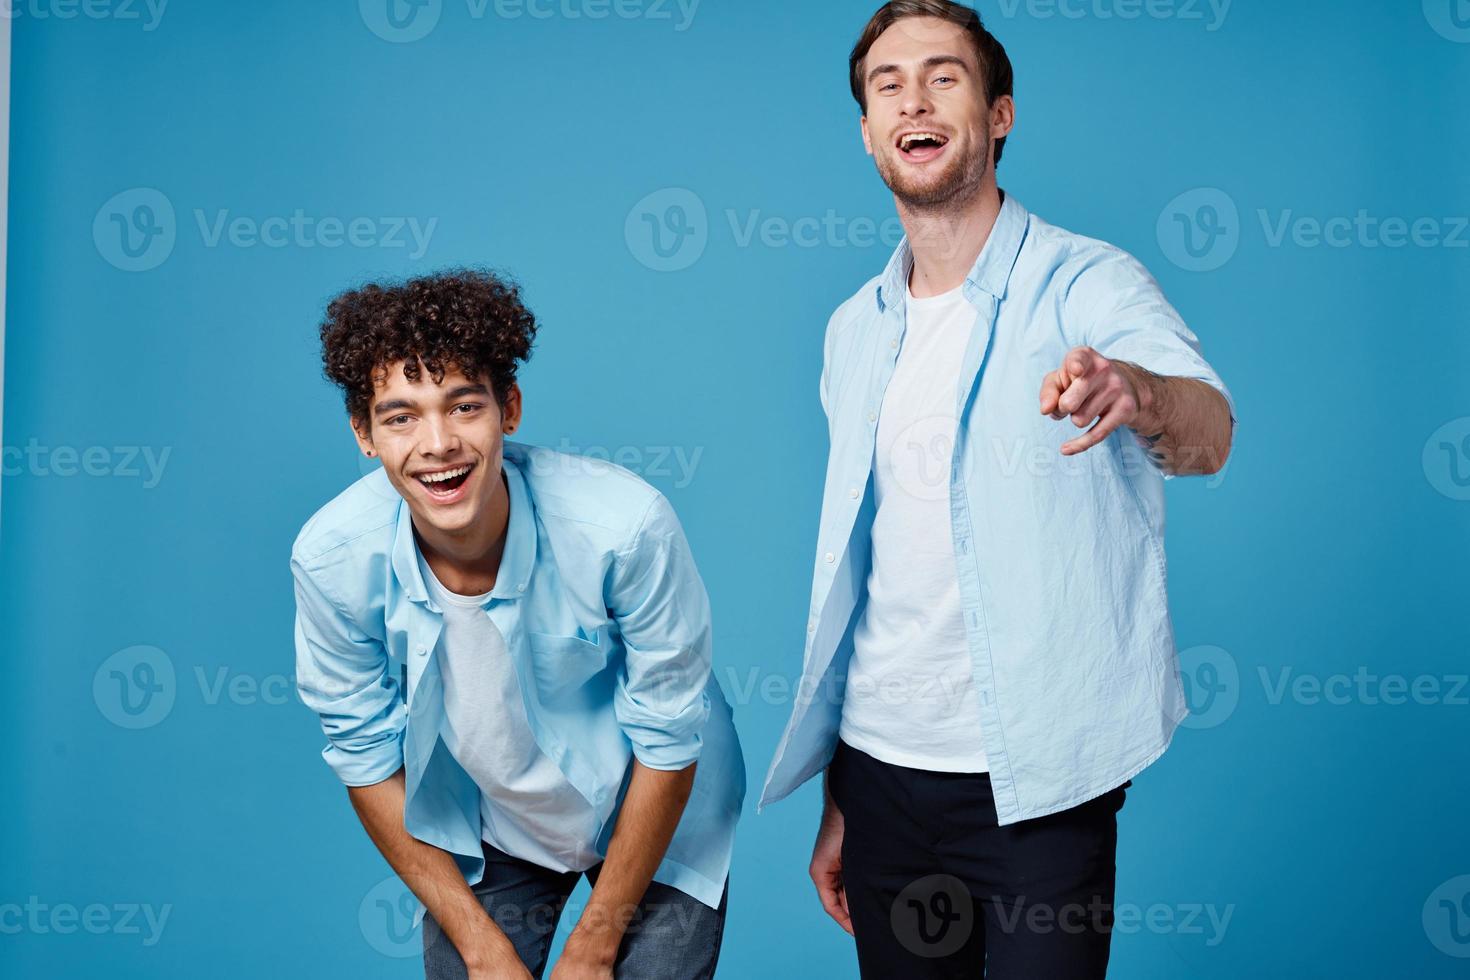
(516, 562)
(991, 271)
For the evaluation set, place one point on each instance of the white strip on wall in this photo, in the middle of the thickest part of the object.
(4, 195)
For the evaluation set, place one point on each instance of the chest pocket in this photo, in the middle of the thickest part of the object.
(562, 664)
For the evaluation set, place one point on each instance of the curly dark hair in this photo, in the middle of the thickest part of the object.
(466, 318)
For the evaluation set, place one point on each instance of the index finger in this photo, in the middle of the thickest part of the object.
(1104, 428)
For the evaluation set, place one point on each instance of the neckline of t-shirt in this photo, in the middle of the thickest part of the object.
(939, 299)
(444, 592)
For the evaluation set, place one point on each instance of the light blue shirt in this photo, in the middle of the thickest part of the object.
(1060, 559)
(607, 623)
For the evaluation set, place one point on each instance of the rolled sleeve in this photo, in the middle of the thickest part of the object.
(1125, 317)
(663, 614)
(345, 676)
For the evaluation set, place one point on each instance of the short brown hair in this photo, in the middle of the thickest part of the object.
(995, 64)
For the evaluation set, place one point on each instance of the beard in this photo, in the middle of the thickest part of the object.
(942, 191)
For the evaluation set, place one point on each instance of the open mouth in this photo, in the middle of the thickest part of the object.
(445, 484)
(921, 145)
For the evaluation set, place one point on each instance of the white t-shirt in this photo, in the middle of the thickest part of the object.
(910, 697)
(486, 730)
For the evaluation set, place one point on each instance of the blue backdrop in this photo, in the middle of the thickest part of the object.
(682, 190)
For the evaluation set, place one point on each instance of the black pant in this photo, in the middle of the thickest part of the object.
(937, 889)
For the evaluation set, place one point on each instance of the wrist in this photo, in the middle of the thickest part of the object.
(1151, 394)
(595, 947)
(487, 950)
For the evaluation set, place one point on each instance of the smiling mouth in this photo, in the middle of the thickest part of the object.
(921, 145)
(445, 482)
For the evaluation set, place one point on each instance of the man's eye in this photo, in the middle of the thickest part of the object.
(944, 78)
(889, 85)
(468, 407)
(397, 419)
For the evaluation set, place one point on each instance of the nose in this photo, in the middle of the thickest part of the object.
(439, 438)
(915, 102)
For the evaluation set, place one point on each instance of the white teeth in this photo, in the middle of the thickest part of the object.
(446, 475)
(909, 139)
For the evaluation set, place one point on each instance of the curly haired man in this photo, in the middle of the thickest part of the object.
(509, 650)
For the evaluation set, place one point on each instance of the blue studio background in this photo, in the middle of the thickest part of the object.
(682, 191)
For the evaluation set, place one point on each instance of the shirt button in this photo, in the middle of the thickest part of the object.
(872, 416)
(829, 558)
(853, 493)
(521, 587)
(811, 627)
(420, 651)
(893, 343)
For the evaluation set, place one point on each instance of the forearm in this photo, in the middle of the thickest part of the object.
(650, 813)
(1185, 423)
(430, 873)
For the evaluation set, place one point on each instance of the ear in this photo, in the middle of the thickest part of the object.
(362, 431)
(867, 137)
(1002, 117)
(510, 413)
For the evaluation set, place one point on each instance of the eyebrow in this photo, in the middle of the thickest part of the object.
(932, 61)
(399, 404)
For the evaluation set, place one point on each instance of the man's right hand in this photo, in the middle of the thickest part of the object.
(826, 866)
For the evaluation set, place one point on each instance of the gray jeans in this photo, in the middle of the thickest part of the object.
(672, 936)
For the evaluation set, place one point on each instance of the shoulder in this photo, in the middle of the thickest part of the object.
(594, 501)
(356, 523)
(1083, 271)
